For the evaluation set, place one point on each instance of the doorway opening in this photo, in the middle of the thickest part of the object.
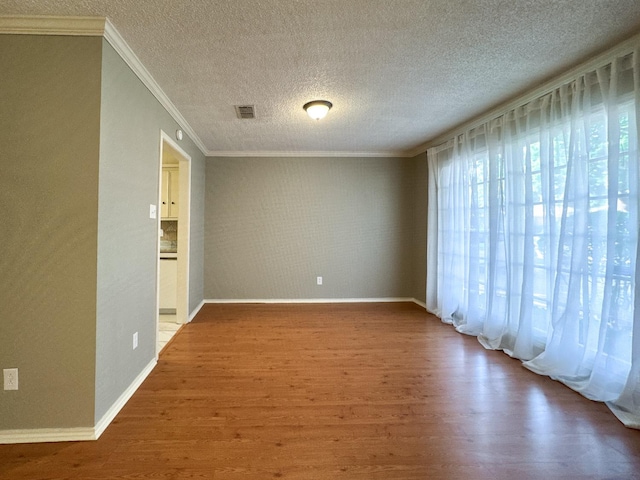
(172, 286)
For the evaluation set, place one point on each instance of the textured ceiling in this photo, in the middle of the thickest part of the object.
(399, 72)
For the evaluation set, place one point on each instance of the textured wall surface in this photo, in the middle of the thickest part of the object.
(80, 146)
(419, 256)
(196, 236)
(274, 224)
(49, 135)
(131, 120)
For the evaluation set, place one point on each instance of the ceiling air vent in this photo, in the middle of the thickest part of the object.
(245, 111)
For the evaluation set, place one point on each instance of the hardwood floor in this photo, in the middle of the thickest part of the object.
(343, 391)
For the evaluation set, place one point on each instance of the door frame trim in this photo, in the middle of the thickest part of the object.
(184, 229)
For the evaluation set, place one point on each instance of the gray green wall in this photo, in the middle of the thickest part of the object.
(273, 224)
(196, 236)
(131, 121)
(49, 135)
(419, 250)
(79, 167)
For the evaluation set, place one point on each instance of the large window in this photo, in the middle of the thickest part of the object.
(533, 234)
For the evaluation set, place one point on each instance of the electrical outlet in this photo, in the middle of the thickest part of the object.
(319, 280)
(135, 340)
(10, 378)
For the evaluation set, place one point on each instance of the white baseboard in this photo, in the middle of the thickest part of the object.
(310, 300)
(108, 417)
(418, 302)
(195, 311)
(41, 435)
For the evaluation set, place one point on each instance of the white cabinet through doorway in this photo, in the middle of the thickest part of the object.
(170, 193)
(168, 285)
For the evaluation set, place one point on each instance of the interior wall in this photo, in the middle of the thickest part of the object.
(196, 236)
(131, 119)
(49, 136)
(272, 225)
(420, 201)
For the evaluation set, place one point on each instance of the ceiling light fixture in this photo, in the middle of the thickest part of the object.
(317, 109)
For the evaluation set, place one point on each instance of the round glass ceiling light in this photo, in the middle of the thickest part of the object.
(317, 109)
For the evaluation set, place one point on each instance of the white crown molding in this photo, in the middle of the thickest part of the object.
(31, 25)
(102, 27)
(420, 149)
(120, 45)
(303, 154)
(97, 27)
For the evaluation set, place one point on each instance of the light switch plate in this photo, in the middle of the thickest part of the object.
(153, 211)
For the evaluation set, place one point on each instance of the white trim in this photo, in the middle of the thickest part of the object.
(108, 417)
(305, 154)
(420, 303)
(83, 434)
(124, 50)
(52, 25)
(184, 232)
(309, 300)
(97, 27)
(101, 26)
(39, 435)
(196, 311)
(157, 252)
(184, 224)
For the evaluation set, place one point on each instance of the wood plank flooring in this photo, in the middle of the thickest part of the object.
(342, 391)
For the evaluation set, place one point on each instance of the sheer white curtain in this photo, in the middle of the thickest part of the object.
(533, 234)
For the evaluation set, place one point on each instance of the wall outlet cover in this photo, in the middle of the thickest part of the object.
(10, 378)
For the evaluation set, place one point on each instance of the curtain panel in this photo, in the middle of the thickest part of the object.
(533, 234)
